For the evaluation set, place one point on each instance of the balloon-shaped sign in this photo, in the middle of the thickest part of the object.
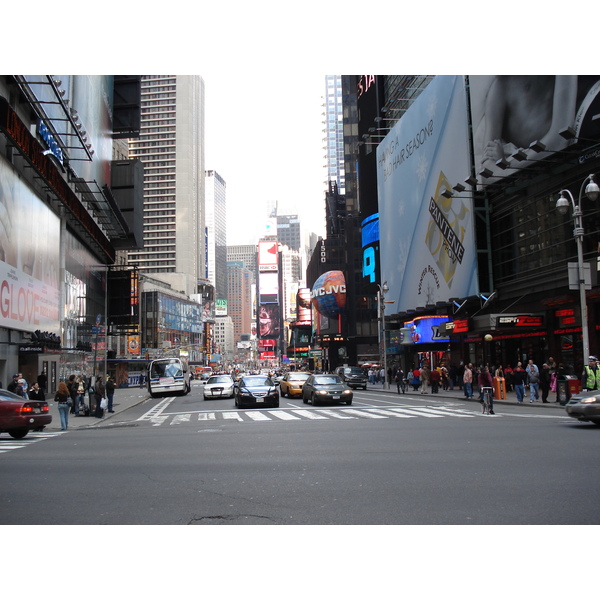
(328, 294)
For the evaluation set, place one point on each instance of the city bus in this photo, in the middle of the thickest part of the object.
(168, 376)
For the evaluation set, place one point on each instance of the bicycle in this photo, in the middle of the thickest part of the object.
(486, 393)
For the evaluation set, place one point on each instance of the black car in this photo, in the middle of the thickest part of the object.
(326, 388)
(256, 390)
(354, 377)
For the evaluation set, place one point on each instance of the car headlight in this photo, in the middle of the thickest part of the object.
(324, 392)
(347, 391)
(588, 400)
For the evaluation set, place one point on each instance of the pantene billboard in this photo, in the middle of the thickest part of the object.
(29, 259)
(427, 240)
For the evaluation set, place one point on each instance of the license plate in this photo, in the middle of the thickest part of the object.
(37, 410)
(260, 399)
(336, 397)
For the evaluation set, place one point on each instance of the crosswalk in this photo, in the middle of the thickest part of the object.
(7, 444)
(158, 417)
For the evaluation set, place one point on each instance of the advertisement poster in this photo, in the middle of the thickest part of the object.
(427, 239)
(29, 259)
(512, 112)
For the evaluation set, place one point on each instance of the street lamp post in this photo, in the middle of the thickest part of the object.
(562, 206)
(382, 291)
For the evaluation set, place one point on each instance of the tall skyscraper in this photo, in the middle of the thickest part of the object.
(216, 230)
(334, 132)
(171, 146)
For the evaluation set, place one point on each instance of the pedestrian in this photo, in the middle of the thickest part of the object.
(382, 375)
(434, 378)
(533, 379)
(590, 378)
(416, 379)
(79, 394)
(545, 382)
(110, 393)
(62, 397)
(14, 384)
(37, 393)
(468, 380)
(519, 377)
(42, 380)
(484, 379)
(72, 387)
(399, 378)
(460, 373)
(424, 375)
(445, 378)
(99, 394)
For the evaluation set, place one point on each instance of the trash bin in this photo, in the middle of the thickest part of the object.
(567, 386)
(499, 388)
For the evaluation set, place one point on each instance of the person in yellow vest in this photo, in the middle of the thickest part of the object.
(590, 378)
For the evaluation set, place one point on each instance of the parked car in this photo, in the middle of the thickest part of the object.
(354, 377)
(326, 388)
(585, 406)
(218, 386)
(292, 382)
(256, 390)
(19, 416)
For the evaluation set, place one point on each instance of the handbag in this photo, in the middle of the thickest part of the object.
(103, 403)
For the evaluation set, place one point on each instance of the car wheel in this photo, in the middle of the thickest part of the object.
(18, 434)
(314, 400)
(304, 400)
(349, 402)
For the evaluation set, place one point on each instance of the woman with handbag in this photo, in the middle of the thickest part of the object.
(63, 397)
(99, 394)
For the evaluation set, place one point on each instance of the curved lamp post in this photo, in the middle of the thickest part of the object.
(592, 191)
(382, 291)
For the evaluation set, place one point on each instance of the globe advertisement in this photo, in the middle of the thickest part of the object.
(328, 294)
(427, 245)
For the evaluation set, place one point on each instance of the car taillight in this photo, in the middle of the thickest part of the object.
(27, 409)
(45, 408)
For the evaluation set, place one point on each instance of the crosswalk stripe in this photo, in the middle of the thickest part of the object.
(309, 414)
(208, 416)
(258, 416)
(230, 415)
(335, 414)
(181, 419)
(284, 415)
(362, 413)
(390, 413)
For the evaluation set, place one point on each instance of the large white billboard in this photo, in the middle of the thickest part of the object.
(29, 259)
(427, 240)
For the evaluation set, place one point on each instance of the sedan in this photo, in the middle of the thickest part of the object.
(292, 382)
(585, 406)
(19, 416)
(326, 388)
(218, 386)
(256, 390)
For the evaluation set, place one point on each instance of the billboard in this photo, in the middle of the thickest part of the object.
(29, 257)
(268, 321)
(267, 256)
(511, 112)
(427, 241)
(329, 294)
(268, 286)
(425, 330)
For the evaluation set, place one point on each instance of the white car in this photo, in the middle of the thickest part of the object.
(218, 386)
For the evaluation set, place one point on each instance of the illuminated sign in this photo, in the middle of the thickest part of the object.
(364, 83)
(370, 247)
(426, 330)
(52, 144)
(519, 321)
(267, 256)
(458, 326)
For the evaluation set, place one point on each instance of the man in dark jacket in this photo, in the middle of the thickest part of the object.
(99, 393)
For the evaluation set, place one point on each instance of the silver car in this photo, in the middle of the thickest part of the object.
(218, 386)
(585, 406)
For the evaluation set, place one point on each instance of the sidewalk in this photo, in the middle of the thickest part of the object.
(456, 394)
(124, 398)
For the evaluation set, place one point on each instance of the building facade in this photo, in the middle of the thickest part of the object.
(171, 147)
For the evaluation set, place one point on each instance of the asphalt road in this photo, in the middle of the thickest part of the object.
(383, 461)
